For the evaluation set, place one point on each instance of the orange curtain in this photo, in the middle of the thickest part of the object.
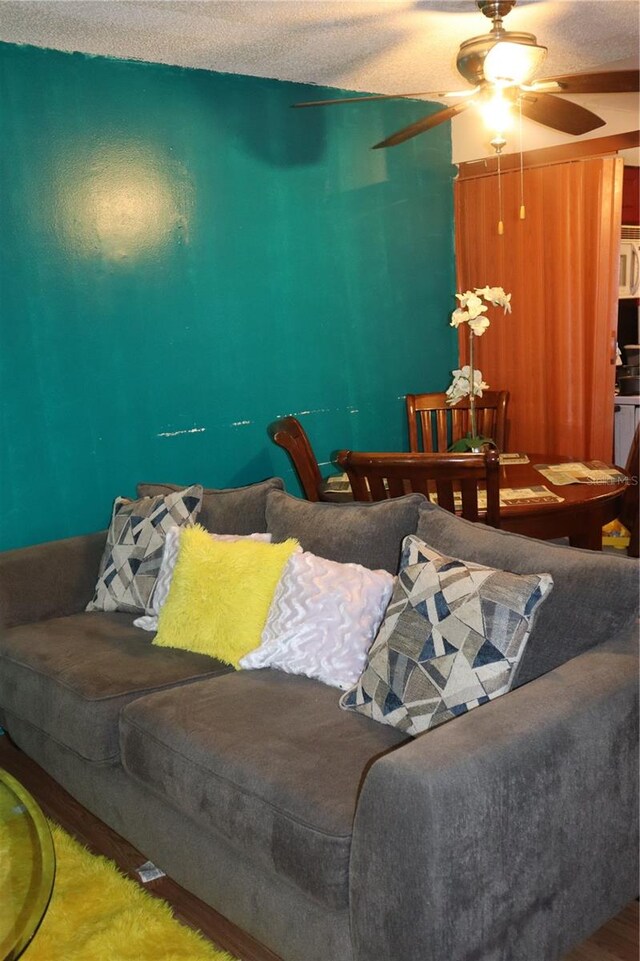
(555, 351)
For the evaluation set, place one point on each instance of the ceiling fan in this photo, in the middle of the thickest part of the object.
(501, 66)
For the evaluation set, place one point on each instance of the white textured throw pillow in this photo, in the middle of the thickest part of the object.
(322, 620)
(149, 621)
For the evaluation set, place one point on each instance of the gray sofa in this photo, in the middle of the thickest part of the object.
(507, 834)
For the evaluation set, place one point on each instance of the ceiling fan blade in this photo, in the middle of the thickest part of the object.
(461, 93)
(613, 81)
(560, 114)
(425, 124)
(377, 96)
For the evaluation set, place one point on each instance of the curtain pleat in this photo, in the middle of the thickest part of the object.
(554, 352)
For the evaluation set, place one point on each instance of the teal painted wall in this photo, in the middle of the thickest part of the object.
(185, 259)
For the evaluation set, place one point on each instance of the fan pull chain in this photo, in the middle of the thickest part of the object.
(498, 143)
(522, 210)
(500, 220)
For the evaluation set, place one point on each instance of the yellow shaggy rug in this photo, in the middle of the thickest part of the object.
(98, 914)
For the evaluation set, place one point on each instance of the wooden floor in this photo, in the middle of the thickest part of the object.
(616, 941)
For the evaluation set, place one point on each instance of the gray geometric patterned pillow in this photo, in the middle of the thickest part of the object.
(133, 552)
(452, 637)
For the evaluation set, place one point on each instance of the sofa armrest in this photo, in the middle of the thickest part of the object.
(510, 833)
(49, 580)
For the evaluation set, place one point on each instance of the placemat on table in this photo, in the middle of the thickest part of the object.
(580, 472)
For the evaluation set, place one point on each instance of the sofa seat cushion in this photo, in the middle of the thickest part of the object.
(71, 676)
(230, 510)
(266, 759)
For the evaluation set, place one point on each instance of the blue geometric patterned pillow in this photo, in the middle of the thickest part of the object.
(135, 542)
(452, 637)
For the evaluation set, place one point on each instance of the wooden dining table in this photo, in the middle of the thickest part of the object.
(580, 516)
(584, 510)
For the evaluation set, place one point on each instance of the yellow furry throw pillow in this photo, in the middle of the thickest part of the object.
(220, 595)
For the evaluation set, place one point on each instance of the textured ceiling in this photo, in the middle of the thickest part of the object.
(386, 46)
(382, 46)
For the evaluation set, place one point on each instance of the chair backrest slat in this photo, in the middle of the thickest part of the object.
(360, 489)
(424, 418)
(420, 485)
(446, 499)
(395, 486)
(469, 491)
(377, 488)
(442, 429)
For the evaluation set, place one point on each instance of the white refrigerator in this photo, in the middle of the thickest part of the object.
(627, 417)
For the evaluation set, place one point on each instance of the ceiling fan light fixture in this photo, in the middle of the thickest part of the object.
(500, 67)
(496, 112)
(510, 62)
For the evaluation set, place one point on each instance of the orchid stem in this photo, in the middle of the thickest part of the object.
(472, 396)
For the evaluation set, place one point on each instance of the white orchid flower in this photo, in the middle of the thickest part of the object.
(496, 296)
(467, 381)
(461, 384)
(463, 297)
(478, 325)
(458, 388)
(478, 383)
(470, 308)
(475, 306)
(468, 299)
(455, 393)
(458, 317)
(457, 375)
(485, 292)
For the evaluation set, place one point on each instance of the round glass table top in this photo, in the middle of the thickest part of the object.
(27, 867)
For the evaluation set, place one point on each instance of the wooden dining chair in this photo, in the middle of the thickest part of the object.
(374, 477)
(288, 432)
(434, 425)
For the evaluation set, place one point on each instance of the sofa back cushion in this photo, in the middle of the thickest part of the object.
(49, 580)
(232, 510)
(369, 534)
(594, 599)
